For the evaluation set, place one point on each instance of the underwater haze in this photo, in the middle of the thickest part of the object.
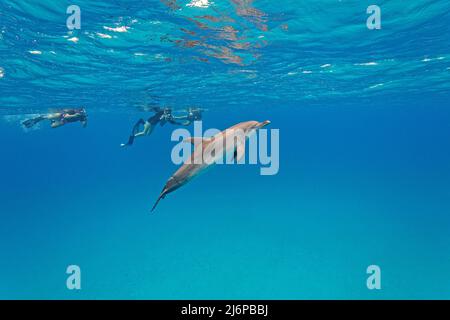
(364, 174)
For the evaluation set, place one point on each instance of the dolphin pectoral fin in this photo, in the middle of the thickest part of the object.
(239, 152)
(161, 196)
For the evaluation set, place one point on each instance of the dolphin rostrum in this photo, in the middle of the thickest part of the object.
(209, 150)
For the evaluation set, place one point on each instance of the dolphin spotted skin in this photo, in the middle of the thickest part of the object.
(197, 163)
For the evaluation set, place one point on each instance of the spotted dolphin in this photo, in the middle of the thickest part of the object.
(208, 150)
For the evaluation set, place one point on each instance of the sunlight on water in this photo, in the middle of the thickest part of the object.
(244, 52)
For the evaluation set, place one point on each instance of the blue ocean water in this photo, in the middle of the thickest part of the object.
(364, 150)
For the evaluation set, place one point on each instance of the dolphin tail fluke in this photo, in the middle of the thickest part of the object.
(161, 196)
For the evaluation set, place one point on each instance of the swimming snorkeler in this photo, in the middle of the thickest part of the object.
(161, 116)
(58, 119)
(193, 114)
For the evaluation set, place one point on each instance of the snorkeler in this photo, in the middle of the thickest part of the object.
(161, 116)
(193, 114)
(58, 119)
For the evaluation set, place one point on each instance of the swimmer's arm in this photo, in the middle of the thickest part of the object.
(70, 116)
(185, 123)
(179, 117)
(84, 123)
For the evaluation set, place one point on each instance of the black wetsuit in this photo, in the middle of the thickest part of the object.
(193, 116)
(82, 117)
(153, 120)
(196, 116)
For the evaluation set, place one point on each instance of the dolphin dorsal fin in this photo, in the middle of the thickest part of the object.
(197, 140)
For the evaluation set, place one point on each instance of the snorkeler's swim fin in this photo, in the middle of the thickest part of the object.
(129, 143)
(31, 122)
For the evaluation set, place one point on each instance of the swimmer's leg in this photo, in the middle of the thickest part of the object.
(134, 133)
(148, 129)
(53, 116)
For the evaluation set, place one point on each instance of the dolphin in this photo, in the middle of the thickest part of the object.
(208, 150)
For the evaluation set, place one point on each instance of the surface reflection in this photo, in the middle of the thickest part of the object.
(230, 32)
